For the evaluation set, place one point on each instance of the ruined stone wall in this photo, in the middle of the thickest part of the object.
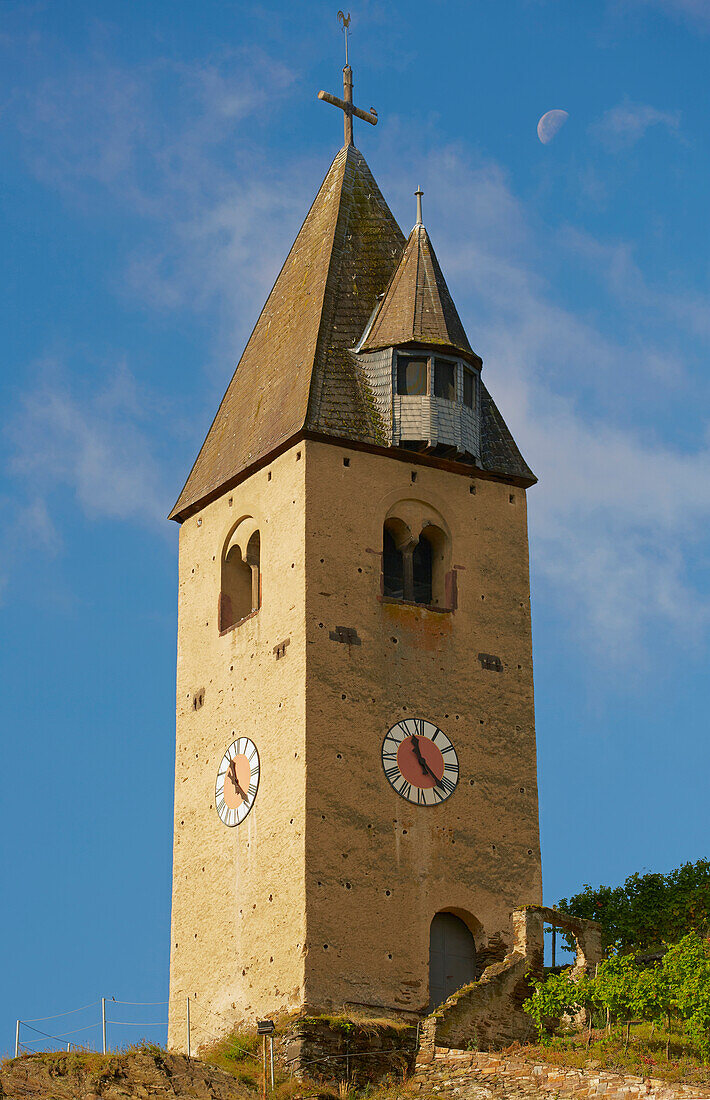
(498, 1077)
(377, 867)
(488, 1014)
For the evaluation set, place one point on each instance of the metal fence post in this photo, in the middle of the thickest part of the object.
(271, 1056)
(17, 1039)
(188, 1026)
(103, 1022)
(554, 940)
(263, 1068)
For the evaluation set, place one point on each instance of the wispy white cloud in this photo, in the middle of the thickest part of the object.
(170, 145)
(625, 124)
(615, 263)
(149, 132)
(95, 443)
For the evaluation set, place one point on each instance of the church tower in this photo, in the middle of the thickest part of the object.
(355, 778)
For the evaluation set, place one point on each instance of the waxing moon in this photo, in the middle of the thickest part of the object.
(550, 123)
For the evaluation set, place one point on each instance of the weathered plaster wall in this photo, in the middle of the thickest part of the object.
(238, 919)
(378, 868)
(324, 896)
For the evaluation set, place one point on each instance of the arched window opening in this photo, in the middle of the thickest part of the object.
(240, 593)
(416, 556)
(392, 567)
(452, 957)
(422, 556)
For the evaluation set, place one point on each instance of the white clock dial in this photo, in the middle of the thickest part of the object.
(420, 762)
(237, 781)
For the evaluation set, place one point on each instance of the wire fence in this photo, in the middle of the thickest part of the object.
(102, 1038)
(97, 1034)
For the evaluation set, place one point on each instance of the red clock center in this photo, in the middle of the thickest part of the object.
(411, 767)
(232, 797)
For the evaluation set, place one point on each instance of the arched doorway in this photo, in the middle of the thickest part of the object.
(452, 957)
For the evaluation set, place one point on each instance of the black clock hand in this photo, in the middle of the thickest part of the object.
(232, 773)
(427, 770)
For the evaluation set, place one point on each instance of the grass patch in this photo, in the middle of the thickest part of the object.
(237, 1054)
(347, 1022)
(667, 1055)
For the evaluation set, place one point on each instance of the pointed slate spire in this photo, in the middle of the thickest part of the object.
(417, 307)
(296, 372)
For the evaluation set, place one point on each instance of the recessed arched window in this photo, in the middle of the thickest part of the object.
(240, 591)
(416, 556)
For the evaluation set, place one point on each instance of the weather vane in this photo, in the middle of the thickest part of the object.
(345, 20)
(346, 103)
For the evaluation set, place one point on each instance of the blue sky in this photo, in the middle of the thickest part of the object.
(157, 160)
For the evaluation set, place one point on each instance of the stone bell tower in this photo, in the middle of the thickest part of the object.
(355, 780)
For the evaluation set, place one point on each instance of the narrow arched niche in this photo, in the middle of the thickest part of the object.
(395, 537)
(240, 587)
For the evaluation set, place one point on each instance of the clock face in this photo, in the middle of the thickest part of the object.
(237, 781)
(420, 762)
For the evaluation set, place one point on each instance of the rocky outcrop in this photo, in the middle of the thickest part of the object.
(139, 1074)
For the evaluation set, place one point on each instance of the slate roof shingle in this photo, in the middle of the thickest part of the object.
(417, 307)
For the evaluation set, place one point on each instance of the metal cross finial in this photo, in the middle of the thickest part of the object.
(419, 194)
(346, 103)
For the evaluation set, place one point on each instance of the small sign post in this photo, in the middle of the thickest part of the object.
(265, 1028)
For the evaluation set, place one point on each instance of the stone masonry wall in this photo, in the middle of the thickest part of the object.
(320, 1049)
(479, 1076)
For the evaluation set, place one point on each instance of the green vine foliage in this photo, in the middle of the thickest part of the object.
(623, 991)
(687, 969)
(648, 910)
(550, 1000)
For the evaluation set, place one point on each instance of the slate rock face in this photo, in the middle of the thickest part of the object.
(113, 1076)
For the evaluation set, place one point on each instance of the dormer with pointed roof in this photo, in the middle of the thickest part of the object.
(418, 359)
(417, 309)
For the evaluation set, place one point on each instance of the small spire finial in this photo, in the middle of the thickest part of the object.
(419, 194)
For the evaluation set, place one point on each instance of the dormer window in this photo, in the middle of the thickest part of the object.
(469, 388)
(445, 379)
(412, 375)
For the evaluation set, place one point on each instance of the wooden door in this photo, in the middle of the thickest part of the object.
(452, 957)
